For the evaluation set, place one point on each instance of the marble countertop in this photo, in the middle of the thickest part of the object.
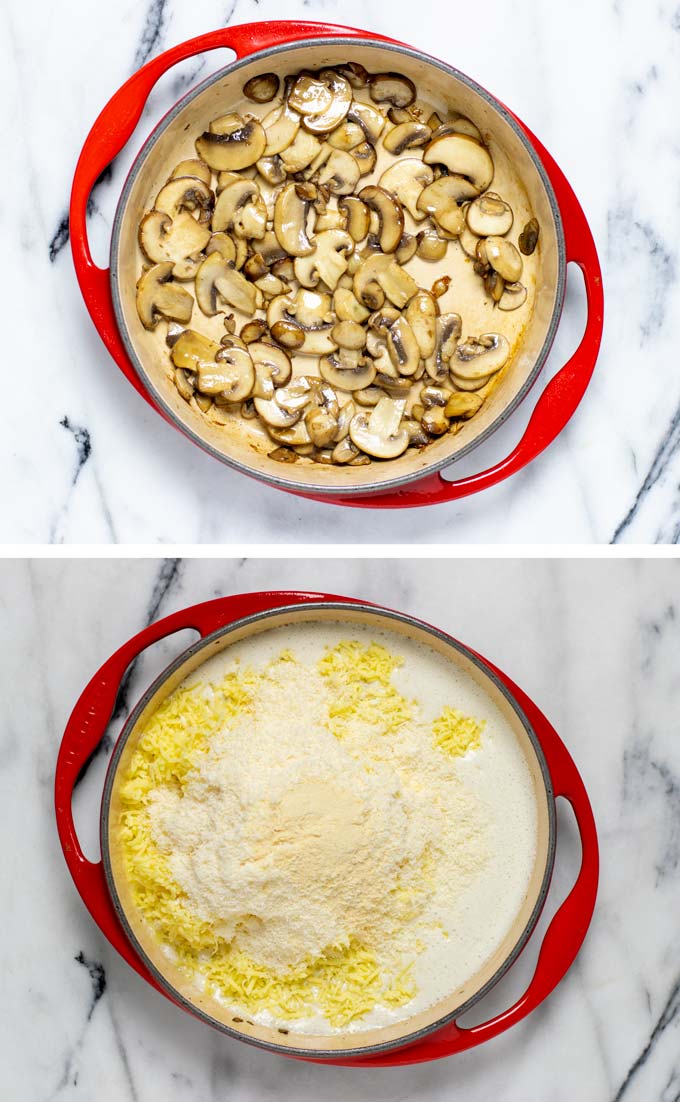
(84, 459)
(596, 645)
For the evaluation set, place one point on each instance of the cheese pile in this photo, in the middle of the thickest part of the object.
(285, 830)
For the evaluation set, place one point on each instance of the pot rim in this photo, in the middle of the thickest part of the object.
(312, 606)
(382, 485)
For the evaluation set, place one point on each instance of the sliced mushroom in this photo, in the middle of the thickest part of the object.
(463, 156)
(528, 239)
(289, 334)
(180, 240)
(233, 378)
(296, 436)
(407, 135)
(370, 119)
(390, 215)
(406, 179)
(346, 136)
(380, 433)
(290, 222)
(391, 88)
(357, 216)
(440, 200)
(185, 193)
(311, 311)
(301, 153)
(253, 330)
(347, 307)
(261, 89)
(158, 297)
(430, 245)
(281, 127)
(274, 415)
(354, 73)
(468, 241)
(504, 258)
(463, 405)
(328, 262)
(193, 167)
(217, 277)
(447, 333)
(191, 349)
(223, 244)
(403, 347)
(406, 248)
(239, 146)
(271, 169)
(383, 272)
(345, 451)
(479, 357)
(321, 426)
(274, 359)
(340, 173)
(349, 334)
(366, 158)
(240, 208)
(421, 314)
(488, 214)
(434, 421)
(347, 371)
(321, 115)
(514, 295)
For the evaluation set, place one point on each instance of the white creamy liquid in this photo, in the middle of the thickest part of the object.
(484, 912)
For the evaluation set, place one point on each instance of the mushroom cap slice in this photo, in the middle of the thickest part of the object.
(447, 334)
(329, 115)
(406, 135)
(468, 241)
(217, 276)
(262, 88)
(300, 154)
(382, 270)
(379, 433)
(347, 371)
(463, 156)
(185, 193)
(469, 384)
(358, 217)
(390, 215)
(528, 239)
(328, 262)
(340, 173)
(406, 179)
(488, 215)
(393, 88)
(346, 136)
(514, 295)
(504, 258)
(347, 306)
(232, 376)
(158, 297)
(430, 245)
(191, 349)
(295, 436)
(309, 94)
(440, 199)
(271, 170)
(236, 148)
(281, 127)
(479, 357)
(421, 314)
(193, 167)
(240, 208)
(370, 119)
(273, 358)
(403, 347)
(311, 311)
(290, 222)
(179, 240)
(274, 415)
(366, 157)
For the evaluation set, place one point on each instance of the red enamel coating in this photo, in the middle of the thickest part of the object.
(87, 726)
(113, 128)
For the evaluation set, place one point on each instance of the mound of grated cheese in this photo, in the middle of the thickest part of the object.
(285, 831)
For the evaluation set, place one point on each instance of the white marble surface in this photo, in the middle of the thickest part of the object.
(84, 459)
(597, 645)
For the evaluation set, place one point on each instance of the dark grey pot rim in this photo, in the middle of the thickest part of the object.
(383, 485)
(341, 608)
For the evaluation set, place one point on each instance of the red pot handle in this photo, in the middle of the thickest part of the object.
(566, 932)
(115, 125)
(87, 725)
(560, 398)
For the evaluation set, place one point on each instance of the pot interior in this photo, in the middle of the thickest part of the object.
(184, 990)
(518, 176)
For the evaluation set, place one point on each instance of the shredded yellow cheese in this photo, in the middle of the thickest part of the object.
(360, 679)
(456, 734)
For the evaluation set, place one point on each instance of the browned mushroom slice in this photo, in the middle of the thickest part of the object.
(380, 433)
(185, 193)
(370, 119)
(192, 349)
(241, 209)
(406, 249)
(232, 376)
(403, 347)
(440, 200)
(301, 153)
(193, 167)
(390, 215)
(158, 297)
(281, 127)
(421, 314)
(463, 405)
(383, 272)
(407, 135)
(180, 240)
(347, 370)
(262, 88)
(354, 73)
(271, 170)
(347, 307)
(489, 215)
(328, 262)
(514, 295)
(528, 239)
(478, 357)
(288, 334)
(366, 157)
(311, 312)
(290, 222)
(216, 277)
(340, 173)
(504, 258)
(406, 179)
(392, 88)
(349, 334)
(358, 218)
(430, 245)
(321, 426)
(322, 114)
(447, 333)
(463, 156)
(275, 359)
(346, 136)
(239, 146)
